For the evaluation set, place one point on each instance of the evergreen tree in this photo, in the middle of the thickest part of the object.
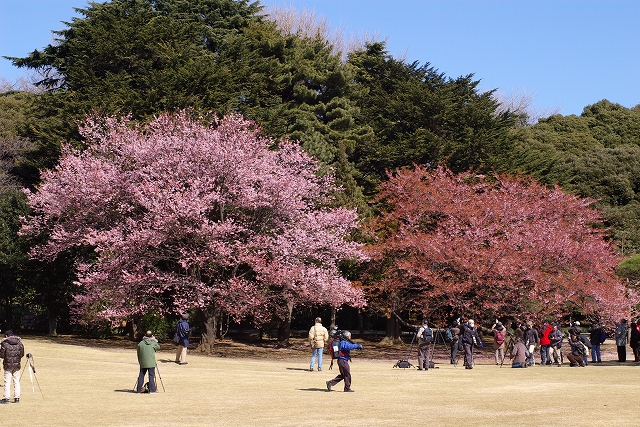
(420, 116)
(596, 155)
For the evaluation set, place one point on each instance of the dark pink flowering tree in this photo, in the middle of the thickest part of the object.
(489, 247)
(178, 215)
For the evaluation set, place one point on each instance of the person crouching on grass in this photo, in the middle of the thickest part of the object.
(147, 359)
(343, 362)
(519, 352)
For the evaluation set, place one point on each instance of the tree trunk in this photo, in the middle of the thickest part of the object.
(134, 331)
(393, 329)
(53, 326)
(333, 317)
(360, 323)
(284, 331)
(210, 316)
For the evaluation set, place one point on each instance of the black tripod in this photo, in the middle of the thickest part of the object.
(135, 386)
(404, 363)
(32, 373)
(438, 336)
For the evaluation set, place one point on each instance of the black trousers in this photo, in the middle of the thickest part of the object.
(345, 374)
(622, 353)
(468, 355)
(152, 379)
(454, 350)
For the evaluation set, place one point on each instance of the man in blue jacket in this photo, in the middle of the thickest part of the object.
(181, 338)
(343, 362)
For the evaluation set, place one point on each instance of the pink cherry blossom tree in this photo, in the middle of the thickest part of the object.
(178, 214)
(503, 246)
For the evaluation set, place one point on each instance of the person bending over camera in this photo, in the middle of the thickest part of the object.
(518, 354)
(147, 359)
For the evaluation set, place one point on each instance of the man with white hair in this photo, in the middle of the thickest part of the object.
(346, 345)
(470, 339)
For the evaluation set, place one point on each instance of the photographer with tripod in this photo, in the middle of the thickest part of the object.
(147, 359)
(425, 338)
(11, 351)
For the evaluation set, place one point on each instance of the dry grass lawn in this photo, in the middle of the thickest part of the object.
(91, 386)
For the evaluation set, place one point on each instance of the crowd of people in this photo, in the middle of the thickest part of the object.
(520, 344)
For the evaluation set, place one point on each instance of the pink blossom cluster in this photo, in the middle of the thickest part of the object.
(179, 214)
(506, 246)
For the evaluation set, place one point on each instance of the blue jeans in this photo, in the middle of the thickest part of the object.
(152, 379)
(519, 365)
(595, 351)
(545, 357)
(316, 352)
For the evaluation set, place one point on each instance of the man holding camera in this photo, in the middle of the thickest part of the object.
(11, 351)
(518, 354)
(346, 345)
(147, 359)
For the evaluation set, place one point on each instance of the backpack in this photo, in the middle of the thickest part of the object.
(603, 337)
(427, 335)
(499, 336)
(334, 348)
(448, 335)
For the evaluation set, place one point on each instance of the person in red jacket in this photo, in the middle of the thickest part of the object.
(545, 343)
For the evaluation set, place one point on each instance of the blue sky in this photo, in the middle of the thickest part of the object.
(566, 54)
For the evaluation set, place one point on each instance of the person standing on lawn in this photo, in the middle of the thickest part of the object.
(147, 359)
(318, 335)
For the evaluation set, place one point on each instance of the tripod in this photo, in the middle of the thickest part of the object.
(508, 347)
(439, 336)
(404, 363)
(32, 374)
(135, 385)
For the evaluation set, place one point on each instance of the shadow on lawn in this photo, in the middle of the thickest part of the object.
(324, 390)
(298, 369)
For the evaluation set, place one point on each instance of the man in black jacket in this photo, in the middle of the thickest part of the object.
(470, 339)
(578, 353)
(531, 340)
(11, 351)
(556, 336)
